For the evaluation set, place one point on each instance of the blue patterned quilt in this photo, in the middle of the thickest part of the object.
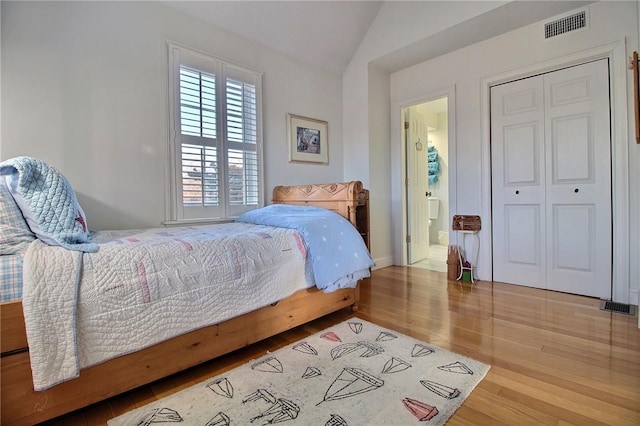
(336, 252)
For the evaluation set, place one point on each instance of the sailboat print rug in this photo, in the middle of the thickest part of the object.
(354, 373)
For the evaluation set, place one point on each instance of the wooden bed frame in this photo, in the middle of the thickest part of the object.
(20, 404)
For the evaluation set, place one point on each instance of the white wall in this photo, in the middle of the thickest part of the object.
(366, 134)
(404, 32)
(525, 49)
(84, 87)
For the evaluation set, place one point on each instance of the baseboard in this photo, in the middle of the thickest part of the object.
(634, 296)
(383, 262)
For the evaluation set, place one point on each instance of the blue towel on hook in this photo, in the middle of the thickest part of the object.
(433, 164)
(434, 168)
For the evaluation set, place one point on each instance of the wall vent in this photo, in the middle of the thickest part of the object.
(621, 308)
(565, 25)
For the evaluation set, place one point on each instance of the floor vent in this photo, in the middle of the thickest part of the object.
(618, 307)
(566, 24)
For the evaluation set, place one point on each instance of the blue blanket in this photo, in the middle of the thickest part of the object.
(335, 250)
(48, 203)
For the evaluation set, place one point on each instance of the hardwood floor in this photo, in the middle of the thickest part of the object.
(556, 359)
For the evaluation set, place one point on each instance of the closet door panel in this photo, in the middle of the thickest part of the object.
(518, 182)
(572, 150)
(578, 193)
(574, 249)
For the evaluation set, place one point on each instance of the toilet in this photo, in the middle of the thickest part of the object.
(443, 238)
(433, 206)
(434, 210)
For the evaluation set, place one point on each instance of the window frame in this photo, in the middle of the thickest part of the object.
(177, 213)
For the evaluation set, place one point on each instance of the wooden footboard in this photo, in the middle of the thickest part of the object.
(21, 405)
(14, 336)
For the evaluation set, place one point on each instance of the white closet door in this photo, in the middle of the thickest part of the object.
(518, 182)
(577, 134)
(551, 187)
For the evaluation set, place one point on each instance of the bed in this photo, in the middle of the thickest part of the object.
(22, 405)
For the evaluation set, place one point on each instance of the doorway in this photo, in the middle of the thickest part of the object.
(426, 139)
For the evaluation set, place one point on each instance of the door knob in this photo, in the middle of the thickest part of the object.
(428, 194)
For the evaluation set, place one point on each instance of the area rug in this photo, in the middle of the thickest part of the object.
(354, 373)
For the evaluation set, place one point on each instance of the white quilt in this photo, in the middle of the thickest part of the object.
(144, 287)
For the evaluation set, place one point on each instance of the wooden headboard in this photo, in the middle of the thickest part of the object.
(348, 199)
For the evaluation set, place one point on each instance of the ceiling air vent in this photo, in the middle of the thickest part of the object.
(565, 25)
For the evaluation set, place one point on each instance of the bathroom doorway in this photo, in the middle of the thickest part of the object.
(425, 135)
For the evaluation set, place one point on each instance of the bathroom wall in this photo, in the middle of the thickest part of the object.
(439, 138)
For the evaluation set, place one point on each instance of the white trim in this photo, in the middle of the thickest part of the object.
(169, 169)
(209, 56)
(383, 263)
(615, 52)
(398, 165)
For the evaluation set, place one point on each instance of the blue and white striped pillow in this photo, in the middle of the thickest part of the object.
(15, 234)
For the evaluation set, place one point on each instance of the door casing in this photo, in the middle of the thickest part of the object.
(400, 230)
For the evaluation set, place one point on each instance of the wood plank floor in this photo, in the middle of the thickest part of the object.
(556, 359)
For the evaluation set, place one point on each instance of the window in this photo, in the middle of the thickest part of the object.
(215, 137)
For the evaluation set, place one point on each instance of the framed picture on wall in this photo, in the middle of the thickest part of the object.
(308, 140)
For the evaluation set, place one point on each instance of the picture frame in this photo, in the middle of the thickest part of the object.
(308, 139)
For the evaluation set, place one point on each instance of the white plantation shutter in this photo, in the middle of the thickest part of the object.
(216, 138)
(242, 146)
(199, 163)
(197, 103)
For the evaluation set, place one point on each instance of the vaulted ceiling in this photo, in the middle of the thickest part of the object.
(324, 34)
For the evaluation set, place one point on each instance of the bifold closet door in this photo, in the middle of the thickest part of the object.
(551, 181)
